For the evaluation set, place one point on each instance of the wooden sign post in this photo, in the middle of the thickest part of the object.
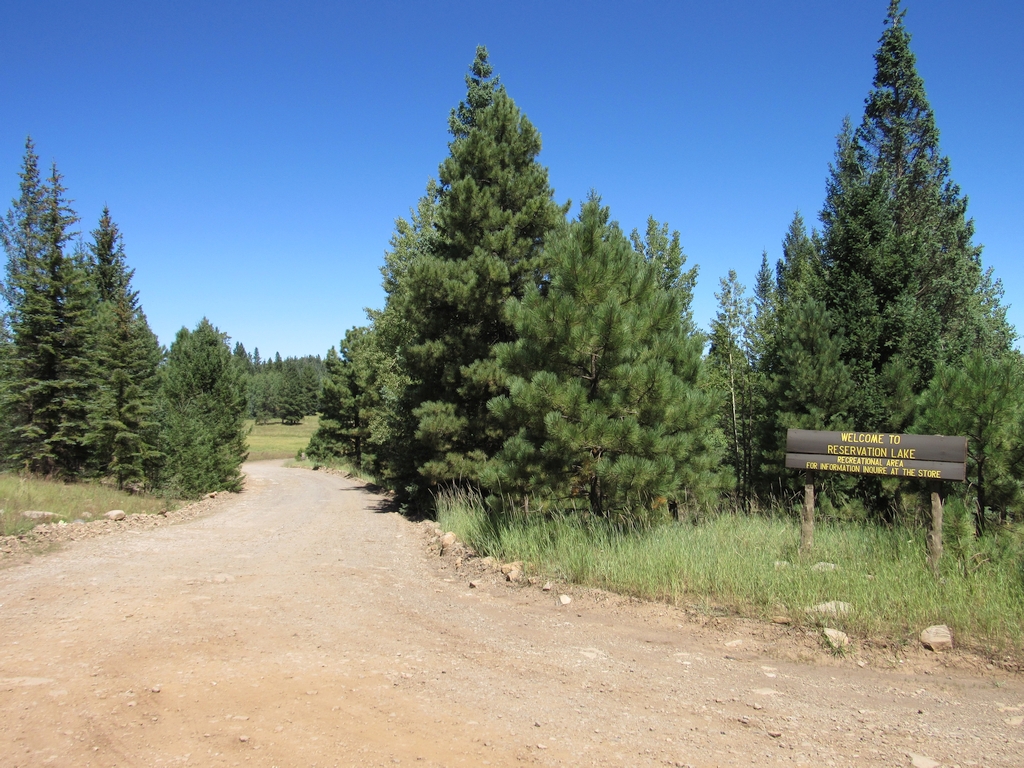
(927, 457)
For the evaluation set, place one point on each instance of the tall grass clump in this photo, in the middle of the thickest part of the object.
(66, 501)
(749, 564)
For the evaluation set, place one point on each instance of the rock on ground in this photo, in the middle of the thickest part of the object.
(937, 638)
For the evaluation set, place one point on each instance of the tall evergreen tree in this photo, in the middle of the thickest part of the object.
(494, 206)
(203, 412)
(50, 375)
(124, 433)
(20, 230)
(604, 384)
(900, 273)
(392, 424)
(346, 402)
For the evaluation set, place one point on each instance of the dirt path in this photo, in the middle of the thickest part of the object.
(295, 625)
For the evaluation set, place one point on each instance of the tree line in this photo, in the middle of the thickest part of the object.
(86, 390)
(555, 364)
(287, 389)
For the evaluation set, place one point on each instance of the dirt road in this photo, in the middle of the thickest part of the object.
(298, 625)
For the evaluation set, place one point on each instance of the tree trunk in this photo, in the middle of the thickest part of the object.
(807, 517)
(935, 534)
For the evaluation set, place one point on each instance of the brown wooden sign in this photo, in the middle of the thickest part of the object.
(927, 457)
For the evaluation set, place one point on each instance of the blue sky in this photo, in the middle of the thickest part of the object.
(256, 154)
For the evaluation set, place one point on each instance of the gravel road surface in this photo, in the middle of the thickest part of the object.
(301, 624)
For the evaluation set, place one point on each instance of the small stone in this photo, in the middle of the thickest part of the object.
(920, 761)
(819, 567)
(542, 746)
(155, 689)
(448, 541)
(781, 620)
(243, 739)
(115, 514)
(734, 643)
(488, 562)
(547, 586)
(474, 584)
(837, 640)
(512, 571)
(775, 734)
(937, 638)
(831, 608)
(564, 599)
(212, 495)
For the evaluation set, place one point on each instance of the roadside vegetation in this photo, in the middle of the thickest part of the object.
(749, 565)
(67, 502)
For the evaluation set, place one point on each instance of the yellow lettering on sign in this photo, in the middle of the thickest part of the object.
(857, 450)
(862, 437)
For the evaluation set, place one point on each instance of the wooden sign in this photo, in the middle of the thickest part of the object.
(926, 457)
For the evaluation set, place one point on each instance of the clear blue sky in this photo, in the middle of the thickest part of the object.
(256, 154)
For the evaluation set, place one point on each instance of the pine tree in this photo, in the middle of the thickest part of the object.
(203, 410)
(666, 255)
(494, 206)
(814, 384)
(124, 433)
(50, 376)
(899, 271)
(20, 230)
(983, 400)
(292, 401)
(604, 384)
(347, 401)
(392, 425)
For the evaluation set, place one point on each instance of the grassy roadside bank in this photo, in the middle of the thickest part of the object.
(66, 502)
(279, 441)
(749, 565)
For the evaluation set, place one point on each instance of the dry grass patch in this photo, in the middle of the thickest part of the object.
(66, 501)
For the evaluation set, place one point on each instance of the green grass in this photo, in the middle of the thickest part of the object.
(280, 441)
(68, 501)
(729, 561)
